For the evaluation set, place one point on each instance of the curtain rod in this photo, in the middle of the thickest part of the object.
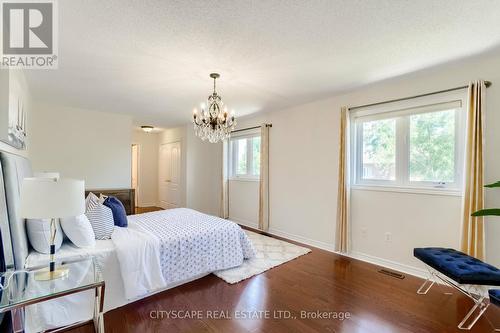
(249, 128)
(486, 83)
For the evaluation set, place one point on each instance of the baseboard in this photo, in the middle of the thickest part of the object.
(418, 272)
(244, 222)
(307, 241)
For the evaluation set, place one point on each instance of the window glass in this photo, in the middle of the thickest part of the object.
(432, 146)
(379, 149)
(241, 160)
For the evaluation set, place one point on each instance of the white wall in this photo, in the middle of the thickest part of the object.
(244, 202)
(304, 164)
(148, 167)
(84, 144)
(204, 174)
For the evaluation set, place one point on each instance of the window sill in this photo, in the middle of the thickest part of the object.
(411, 190)
(244, 179)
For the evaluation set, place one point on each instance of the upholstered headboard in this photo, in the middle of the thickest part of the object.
(14, 169)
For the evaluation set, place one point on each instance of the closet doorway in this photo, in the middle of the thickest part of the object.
(135, 171)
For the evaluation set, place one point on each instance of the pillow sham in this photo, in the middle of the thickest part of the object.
(101, 220)
(38, 231)
(79, 230)
(91, 201)
(118, 210)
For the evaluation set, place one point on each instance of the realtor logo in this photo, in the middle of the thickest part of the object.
(28, 34)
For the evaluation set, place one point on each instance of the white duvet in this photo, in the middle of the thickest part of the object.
(164, 247)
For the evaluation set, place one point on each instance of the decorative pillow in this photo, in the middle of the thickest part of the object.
(91, 202)
(79, 230)
(101, 219)
(39, 234)
(119, 213)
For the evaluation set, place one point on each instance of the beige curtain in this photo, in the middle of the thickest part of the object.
(224, 201)
(264, 179)
(472, 227)
(342, 230)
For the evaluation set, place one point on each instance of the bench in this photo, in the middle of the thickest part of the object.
(468, 275)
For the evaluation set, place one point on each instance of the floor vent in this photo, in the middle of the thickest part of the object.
(391, 273)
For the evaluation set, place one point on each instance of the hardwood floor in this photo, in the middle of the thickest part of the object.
(319, 281)
(140, 210)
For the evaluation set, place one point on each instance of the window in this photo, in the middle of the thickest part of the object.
(415, 144)
(244, 153)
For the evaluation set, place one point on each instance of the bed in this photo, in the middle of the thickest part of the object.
(158, 251)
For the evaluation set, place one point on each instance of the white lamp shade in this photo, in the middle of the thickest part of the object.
(45, 198)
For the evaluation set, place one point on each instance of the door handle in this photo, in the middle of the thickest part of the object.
(168, 180)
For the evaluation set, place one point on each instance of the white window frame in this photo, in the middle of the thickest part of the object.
(401, 111)
(233, 156)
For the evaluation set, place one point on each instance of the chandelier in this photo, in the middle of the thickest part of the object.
(213, 123)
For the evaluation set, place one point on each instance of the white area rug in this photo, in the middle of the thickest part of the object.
(270, 252)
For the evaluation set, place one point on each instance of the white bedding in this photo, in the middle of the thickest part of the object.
(171, 239)
(175, 245)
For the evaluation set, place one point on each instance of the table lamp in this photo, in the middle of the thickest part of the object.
(52, 198)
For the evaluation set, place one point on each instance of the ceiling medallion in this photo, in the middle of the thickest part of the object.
(213, 123)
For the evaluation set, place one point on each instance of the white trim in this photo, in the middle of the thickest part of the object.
(418, 272)
(320, 245)
(244, 222)
(410, 190)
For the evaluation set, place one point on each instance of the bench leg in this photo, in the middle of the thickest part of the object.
(480, 305)
(426, 286)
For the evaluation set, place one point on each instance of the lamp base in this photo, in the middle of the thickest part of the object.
(46, 275)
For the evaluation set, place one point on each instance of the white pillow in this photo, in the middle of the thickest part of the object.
(101, 219)
(79, 230)
(39, 234)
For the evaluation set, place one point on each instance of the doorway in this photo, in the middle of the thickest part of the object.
(170, 175)
(135, 171)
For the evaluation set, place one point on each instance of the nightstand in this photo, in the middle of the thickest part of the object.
(23, 290)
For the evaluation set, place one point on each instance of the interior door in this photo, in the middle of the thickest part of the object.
(170, 175)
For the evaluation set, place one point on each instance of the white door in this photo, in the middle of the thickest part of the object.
(170, 175)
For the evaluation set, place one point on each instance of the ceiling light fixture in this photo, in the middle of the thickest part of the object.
(147, 129)
(213, 123)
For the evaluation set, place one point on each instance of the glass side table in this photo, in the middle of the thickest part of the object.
(24, 290)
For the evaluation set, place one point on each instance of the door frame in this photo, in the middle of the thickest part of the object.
(138, 187)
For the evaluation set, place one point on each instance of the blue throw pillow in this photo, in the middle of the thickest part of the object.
(119, 214)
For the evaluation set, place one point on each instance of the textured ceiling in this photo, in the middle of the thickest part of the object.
(151, 59)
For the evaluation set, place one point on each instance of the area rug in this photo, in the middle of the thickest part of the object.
(270, 252)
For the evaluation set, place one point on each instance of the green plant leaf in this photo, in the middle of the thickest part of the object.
(497, 184)
(487, 212)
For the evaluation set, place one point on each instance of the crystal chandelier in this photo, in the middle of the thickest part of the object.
(213, 122)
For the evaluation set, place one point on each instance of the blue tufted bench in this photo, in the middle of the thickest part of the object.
(458, 266)
(469, 275)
